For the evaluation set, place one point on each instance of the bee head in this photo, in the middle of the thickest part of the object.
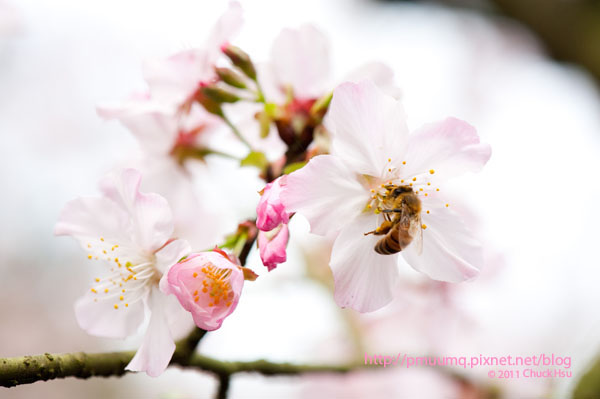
(401, 190)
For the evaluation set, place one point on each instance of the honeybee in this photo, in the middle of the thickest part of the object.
(402, 224)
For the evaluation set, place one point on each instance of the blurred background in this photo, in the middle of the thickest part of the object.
(524, 72)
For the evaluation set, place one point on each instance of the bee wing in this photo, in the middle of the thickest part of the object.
(416, 232)
(412, 223)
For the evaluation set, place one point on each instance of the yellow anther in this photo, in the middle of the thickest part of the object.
(389, 159)
(437, 189)
(423, 226)
(116, 306)
(389, 169)
(106, 290)
(210, 305)
(94, 291)
(195, 274)
(421, 189)
(429, 184)
(104, 251)
(447, 205)
(426, 194)
(116, 260)
(123, 290)
(101, 239)
(428, 212)
(196, 299)
(89, 256)
(402, 181)
(372, 190)
(97, 279)
(403, 162)
(431, 171)
(126, 305)
(121, 298)
(414, 179)
(89, 245)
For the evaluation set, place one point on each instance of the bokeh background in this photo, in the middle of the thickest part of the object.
(536, 202)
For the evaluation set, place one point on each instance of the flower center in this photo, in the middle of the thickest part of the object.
(215, 285)
(131, 274)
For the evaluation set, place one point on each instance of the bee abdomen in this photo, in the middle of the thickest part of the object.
(388, 245)
(393, 242)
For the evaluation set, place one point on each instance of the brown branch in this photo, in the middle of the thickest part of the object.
(28, 369)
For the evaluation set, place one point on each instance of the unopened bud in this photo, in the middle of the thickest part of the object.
(231, 77)
(240, 59)
(219, 95)
(208, 103)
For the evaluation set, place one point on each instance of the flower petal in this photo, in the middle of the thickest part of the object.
(368, 127)
(89, 219)
(273, 249)
(156, 351)
(364, 279)
(450, 148)
(450, 252)
(326, 192)
(171, 254)
(378, 73)
(97, 316)
(154, 125)
(301, 60)
(150, 213)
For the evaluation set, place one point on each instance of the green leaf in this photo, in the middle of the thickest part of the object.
(293, 167)
(588, 386)
(255, 158)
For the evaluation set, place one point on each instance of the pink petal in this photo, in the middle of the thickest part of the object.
(300, 59)
(270, 211)
(99, 317)
(450, 148)
(272, 246)
(368, 127)
(364, 279)
(150, 213)
(326, 192)
(186, 280)
(450, 252)
(156, 351)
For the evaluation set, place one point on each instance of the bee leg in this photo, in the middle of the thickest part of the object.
(381, 230)
(397, 210)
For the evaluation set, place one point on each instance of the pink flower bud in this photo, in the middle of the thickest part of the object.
(270, 210)
(208, 285)
(272, 245)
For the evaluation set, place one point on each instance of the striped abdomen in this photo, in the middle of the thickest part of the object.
(394, 241)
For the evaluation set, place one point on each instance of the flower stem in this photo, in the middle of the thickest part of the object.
(235, 131)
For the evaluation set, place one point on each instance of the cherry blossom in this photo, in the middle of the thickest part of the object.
(346, 194)
(208, 285)
(131, 233)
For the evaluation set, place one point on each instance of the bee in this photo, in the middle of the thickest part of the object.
(402, 224)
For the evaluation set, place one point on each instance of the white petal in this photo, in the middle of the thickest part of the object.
(150, 213)
(368, 127)
(227, 26)
(378, 73)
(97, 316)
(156, 351)
(89, 219)
(154, 125)
(170, 255)
(450, 252)
(301, 59)
(450, 148)
(326, 192)
(364, 279)
(174, 79)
